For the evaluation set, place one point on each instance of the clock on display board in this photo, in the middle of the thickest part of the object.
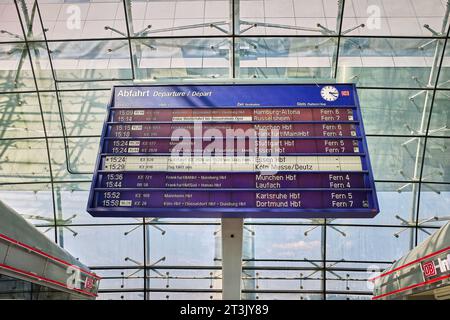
(329, 93)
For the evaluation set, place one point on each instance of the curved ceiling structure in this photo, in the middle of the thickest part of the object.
(59, 59)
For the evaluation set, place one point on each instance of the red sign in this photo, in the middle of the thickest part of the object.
(429, 269)
(88, 283)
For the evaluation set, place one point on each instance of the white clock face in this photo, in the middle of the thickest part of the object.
(329, 93)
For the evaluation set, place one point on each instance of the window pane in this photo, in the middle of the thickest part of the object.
(176, 243)
(120, 296)
(104, 245)
(287, 17)
(121, 279)
(394, 158)
(440, 118)
(182, 58)
(394, 59)
(71, 201)
(15, 70)
(174, 279)
(396, 205)
(84, 111)
(444, 77)
(436, 167)
(392, 111)
(387, 62)
(179, 18)
(373, 244)
(91, 60)
(9, 22)
(307, 58)
(349, 281)
(288, 242)
(394, 18)
(83, 19)
(434, 204)
(32, 201)
(73, 158)
(19, 162)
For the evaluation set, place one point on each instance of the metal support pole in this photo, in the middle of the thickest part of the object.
(59, 215)
(335, 56)
(324, 260)
(147, 260)
(130, 32)
(232, 236)
(235, 30)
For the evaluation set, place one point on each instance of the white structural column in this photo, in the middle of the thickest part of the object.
(232, 230)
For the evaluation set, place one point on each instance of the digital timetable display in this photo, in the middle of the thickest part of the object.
(269, 151)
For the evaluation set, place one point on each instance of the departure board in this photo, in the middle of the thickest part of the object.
(268, 151)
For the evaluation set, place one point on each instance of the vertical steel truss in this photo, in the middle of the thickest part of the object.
(26, 27)
(29, 46)
(424, 129)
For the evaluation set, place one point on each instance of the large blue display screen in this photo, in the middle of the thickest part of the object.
(277, 151)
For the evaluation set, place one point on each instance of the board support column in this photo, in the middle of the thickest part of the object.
(232, 236)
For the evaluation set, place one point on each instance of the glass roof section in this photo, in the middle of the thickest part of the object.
(59, 59)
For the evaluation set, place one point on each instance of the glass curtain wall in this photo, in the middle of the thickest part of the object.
(59, 59)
